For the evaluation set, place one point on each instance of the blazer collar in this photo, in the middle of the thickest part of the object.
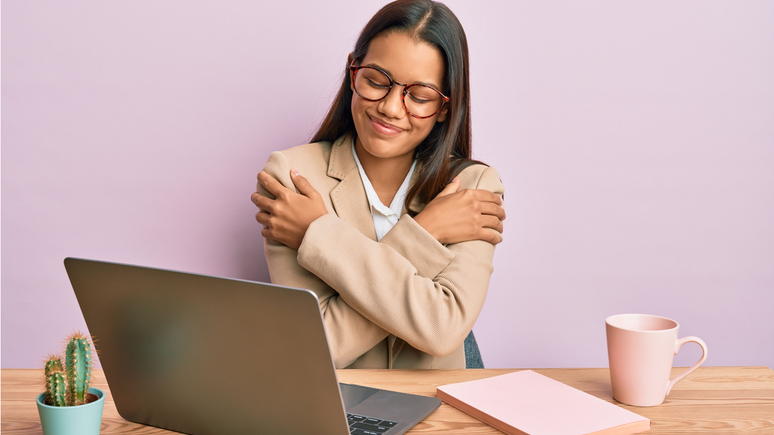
(349, 196)
(341, 162)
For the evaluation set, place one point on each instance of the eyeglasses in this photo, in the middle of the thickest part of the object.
(373, 84)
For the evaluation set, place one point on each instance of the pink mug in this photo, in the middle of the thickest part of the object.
(640, 349)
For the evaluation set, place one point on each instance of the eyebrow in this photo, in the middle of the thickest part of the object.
(381, 68)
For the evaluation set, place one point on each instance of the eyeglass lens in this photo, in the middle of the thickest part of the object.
(420, 100)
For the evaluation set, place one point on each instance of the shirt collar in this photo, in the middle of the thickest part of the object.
(373, 199)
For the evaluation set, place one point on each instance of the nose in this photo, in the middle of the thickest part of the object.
(392, 105)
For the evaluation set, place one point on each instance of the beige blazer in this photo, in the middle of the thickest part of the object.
(406, 301)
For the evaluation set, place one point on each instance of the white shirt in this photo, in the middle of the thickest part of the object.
(384, 217)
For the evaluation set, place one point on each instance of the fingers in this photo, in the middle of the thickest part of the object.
(261, 201)
(450, 188)
(486, 196)
(492, 222)
(263, 218)
(271, 184)
(490, 236)
(276, 188)
(481, 201)
(488, 208)
(302, 184)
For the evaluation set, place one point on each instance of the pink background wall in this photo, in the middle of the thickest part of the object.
(635, 140)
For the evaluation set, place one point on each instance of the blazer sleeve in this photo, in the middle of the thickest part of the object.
(426, 293)
(350, 334)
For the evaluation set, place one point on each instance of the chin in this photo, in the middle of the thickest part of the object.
(383, 150)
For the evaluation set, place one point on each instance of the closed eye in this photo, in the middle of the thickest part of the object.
(418, 99)
(376, 85)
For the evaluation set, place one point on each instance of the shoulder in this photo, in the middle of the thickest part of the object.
(481, 177)
(309, 159)
(312, 156)
(312, 160)
(318, 152)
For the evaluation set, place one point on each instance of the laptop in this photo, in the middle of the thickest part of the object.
(206, 355)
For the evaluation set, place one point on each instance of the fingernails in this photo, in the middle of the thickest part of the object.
(456, 179)
(294, 172)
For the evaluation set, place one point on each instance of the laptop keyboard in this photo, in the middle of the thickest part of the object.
(362, 425)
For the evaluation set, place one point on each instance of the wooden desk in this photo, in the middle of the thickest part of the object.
(712, 400)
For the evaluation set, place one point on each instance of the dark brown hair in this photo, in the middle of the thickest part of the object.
(446, 151)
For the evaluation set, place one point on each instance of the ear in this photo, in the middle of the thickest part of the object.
(442, 114)
(350, 59)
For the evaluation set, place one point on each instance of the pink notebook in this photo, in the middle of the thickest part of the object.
(529, 403)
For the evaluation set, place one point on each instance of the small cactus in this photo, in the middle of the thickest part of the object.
(55, 382)
(69, 386)
(53, 362)
(78, 362)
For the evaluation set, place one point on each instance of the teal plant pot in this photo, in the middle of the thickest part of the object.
(72, 420)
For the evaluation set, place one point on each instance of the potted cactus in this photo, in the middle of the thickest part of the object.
(69, 406)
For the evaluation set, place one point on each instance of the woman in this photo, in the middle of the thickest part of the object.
(394, 293)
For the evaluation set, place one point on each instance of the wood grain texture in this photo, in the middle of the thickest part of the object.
(712, 400)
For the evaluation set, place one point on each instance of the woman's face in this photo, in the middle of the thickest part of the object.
(384, 129)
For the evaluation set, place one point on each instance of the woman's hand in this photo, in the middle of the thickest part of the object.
(286, 218)
(470, 214)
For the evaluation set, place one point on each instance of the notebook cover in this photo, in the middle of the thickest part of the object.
(527, 402)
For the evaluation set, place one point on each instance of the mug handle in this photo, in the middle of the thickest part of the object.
(678, 345)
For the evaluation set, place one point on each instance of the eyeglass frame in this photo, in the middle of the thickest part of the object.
(353, 69)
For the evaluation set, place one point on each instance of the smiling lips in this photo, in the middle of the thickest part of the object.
(383, 127)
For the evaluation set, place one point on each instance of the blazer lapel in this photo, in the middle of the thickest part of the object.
(349, 197)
